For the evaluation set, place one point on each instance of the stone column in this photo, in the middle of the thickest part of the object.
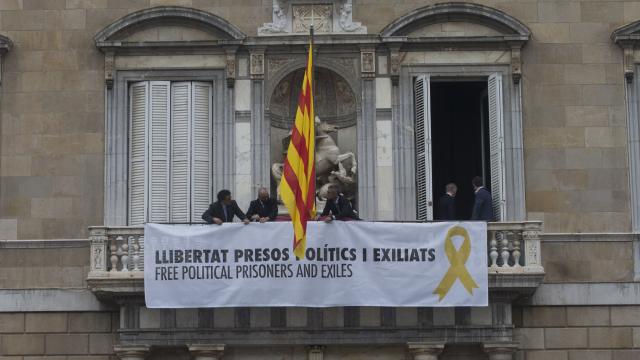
(260, 137)
(131, 352)
(500, 351)
(366, 130)
(425, 351)
(206, 351)
(315, 352)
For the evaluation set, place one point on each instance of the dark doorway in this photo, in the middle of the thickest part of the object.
(459, 135)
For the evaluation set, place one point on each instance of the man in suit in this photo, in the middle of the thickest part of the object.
(447, 204)
(337, 207)
(223, 210)
(264, 208)
(483, 205)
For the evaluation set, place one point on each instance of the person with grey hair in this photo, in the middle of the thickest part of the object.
(264, 208)
(447, 204)
(337, 207)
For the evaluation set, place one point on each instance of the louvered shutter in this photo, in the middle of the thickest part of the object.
(138, 113)
(496, 135)
(200, 149)
(180, 150)
(423, 148)
(158, 168)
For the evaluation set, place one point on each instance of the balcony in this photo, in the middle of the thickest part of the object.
(513, 254)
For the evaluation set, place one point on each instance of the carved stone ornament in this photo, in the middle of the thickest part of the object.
(257, 64)
(296, 16)
(231, 69)
(368, 61)
(109, 65)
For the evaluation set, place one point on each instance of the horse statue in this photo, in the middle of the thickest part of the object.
(332, 166)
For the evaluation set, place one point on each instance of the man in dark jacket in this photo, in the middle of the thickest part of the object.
(223, 210)
(447, 204)
(483, 205)
(337, 207)
(264, 208)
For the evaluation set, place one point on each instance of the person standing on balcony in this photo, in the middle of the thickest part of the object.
(483, 205)
(337, 207)
(447, 204)
(224, 210)
(264, 208)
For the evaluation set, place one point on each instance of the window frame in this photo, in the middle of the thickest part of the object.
(404, 137)
(116, 190)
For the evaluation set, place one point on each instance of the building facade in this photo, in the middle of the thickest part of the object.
(116, 113)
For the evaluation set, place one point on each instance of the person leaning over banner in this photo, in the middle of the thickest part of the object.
(264, 208)
(337, 207)
(223, 210)
(483, 205)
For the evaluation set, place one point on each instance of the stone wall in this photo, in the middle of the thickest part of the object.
(578, 332)
(57, 335)
(52, 105)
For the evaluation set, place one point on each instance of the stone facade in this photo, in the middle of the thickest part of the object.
(59, 170)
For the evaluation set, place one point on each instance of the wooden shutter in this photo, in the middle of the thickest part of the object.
(496, 136)
(422, 100)
(200, 149)
(138, 113)
(158, 168)
(180, 151)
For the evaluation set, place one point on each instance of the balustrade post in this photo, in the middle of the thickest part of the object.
(532, 255)
(493, 249)
(98, 262)
(315, 352)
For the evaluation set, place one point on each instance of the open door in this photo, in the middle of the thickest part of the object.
(424, 185)
(496, 141)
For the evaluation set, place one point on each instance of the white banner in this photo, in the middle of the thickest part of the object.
(353, 263)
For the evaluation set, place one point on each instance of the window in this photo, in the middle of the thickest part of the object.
(170, 167)
(459, 134)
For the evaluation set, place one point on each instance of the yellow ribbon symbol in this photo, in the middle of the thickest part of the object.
(457, 259)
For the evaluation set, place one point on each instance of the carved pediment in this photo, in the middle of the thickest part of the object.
(461, 20)
(169, 24)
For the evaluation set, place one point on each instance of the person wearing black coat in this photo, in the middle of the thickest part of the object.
(223, 210)
(337, 207)
(264, 208)
(447, 204)
(483, 205)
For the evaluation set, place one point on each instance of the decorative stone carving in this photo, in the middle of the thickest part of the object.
(346, 19)
(109, 66)
(275, 64)
(206, 351)
(279, 22)
(131, 352)
(516, 64)
(296, 16)
(320, 16)
(500, 351)
(257, 64)
(368, 62)
(231, 68)
(425, 351)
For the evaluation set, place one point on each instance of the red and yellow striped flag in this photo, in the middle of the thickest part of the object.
(298, 184)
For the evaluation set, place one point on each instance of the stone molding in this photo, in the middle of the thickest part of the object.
(44, 244)
(131, 352)
(512, 28)
(627, 37)
(190, 16)
(425, 351)
(500, 351)
(206, 351)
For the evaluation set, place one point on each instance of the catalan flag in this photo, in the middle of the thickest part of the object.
(298, 184)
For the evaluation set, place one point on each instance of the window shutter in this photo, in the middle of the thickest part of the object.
(423, 148)
(496, 135)
(159, 134)
(138, 113)
(180, 151)
(200, 149)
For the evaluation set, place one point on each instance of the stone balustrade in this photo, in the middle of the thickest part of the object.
(513, 247)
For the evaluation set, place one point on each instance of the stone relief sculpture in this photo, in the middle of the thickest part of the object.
(279, 22)
(332, 166)
(295, 16)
